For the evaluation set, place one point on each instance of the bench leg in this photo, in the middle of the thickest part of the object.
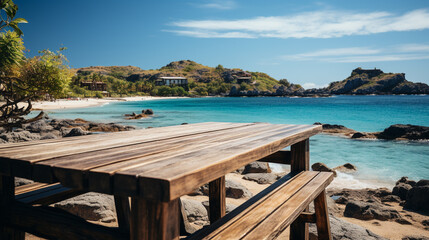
(122, 205)
(322, 217)
(154, 220)
(217, 194)
(300, 161)
(7, 196)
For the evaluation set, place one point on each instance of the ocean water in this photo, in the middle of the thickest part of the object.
(379, 162)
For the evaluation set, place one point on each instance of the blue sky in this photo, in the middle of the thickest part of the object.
(308, 42)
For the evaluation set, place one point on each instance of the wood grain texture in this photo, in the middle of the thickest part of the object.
(272, 211)
(322, 217)
(307, 217)
(217, 201)
(54, 223)
(154, 220)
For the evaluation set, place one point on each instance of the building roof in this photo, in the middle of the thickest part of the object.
(172, 77)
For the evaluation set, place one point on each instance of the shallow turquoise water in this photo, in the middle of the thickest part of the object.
(379, 162)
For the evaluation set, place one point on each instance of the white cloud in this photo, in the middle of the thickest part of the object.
(220, 5)
(404, 52)
(318, 24)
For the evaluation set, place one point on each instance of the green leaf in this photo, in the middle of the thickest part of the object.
(16, 28)
(20, 20)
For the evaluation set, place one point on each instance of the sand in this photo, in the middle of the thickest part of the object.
(88, 102)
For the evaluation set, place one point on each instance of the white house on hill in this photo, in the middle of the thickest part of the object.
(167, 81)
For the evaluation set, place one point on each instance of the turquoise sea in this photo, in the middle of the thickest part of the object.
(380, 163)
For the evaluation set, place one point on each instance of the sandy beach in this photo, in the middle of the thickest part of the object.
(89, 102)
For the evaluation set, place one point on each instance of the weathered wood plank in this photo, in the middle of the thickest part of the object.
(260, 210)
(322, 217)
(282, 157)
(29, 187)
(53, 223)
(307, 217)
(241, 210)
(217, 201)
(206, 165)
(46, 195)
(154, 220)
(271, 227)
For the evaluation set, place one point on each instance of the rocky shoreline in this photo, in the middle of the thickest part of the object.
(393, 132)
(48, 128)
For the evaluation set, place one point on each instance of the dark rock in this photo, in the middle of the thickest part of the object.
(403, 221)
(90, 206)
(366, 195)
(346, 168)
(257, 167)
(391, 198)
(22, 136)
(75, 132)
(38, 126)
(321, 167)
(406, 181)
(415, 238)
(359, 135)
(148, 111)
(343, 230)
(233, 190)
(367, 211)
(401, 190)
(418, 197)
(261, 178)
(22, 181)
(401, 131)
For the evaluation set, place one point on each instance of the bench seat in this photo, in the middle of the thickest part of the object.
(269, 213)
(44, 194)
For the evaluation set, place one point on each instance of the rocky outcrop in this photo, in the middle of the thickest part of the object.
(346, 168)
(343, 196)
(368, 211)
(402, 131)
(47, 128)
(322, 168)
(145, 113)
(375, 81)
(90, 206)
(336, 129)
(418, 197)
(343, 230)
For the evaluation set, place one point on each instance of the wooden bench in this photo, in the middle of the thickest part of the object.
(44, 194)
(269, 213)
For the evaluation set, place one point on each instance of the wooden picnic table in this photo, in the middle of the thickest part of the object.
(155, 167)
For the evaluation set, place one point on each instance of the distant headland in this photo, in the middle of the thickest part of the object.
(188, 78)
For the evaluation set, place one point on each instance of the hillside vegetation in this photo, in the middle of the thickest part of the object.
(203, 80)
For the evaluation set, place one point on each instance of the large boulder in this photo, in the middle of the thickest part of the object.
(257, 167)
(369, 211)
(233, 189)
(261, 178)
(195, 211)
(343, 230)
(321, 167)
(76, 132)
(39, 126)
(402, 131)
(401, 190)
(418, 197)
(21, 136)
(90, 206)
(346, 168)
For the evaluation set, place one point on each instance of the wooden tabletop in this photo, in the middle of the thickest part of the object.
(158, 163)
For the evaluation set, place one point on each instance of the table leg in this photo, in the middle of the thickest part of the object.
(217, 196)
(154, 220)
(300, 161)
(122, 205)
(7, 196)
